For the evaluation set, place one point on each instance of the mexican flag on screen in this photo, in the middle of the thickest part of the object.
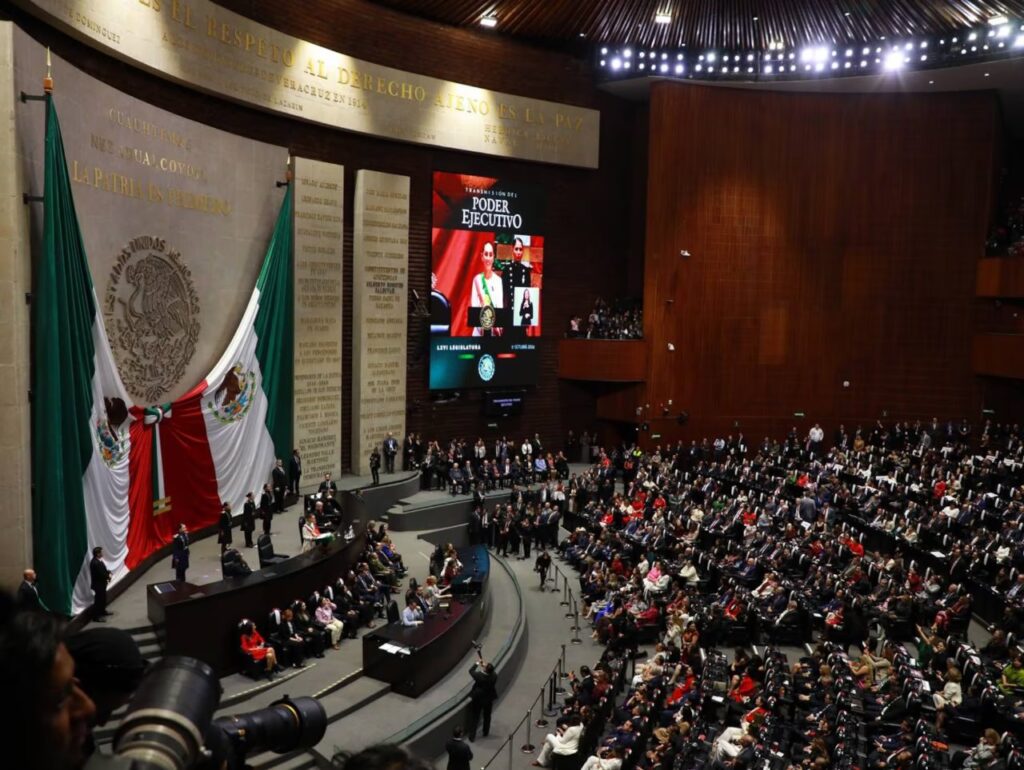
(107, 472)
(80, 442)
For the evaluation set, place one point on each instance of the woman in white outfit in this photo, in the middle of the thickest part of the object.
(564, 742)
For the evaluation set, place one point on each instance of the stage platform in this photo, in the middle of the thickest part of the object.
(439, 509)
(523, 634)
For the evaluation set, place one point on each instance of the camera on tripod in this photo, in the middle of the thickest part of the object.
(169, 724)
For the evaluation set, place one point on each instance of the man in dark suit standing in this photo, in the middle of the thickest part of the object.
(28, 593)
(248, 519)
(295, 471)
(179, 553)
(267, 508)
(99, 576)
(459, 754)
(482, 696)
(280, 480)
(375, 465)
(390, 450)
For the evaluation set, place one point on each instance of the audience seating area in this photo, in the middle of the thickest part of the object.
(887, 544)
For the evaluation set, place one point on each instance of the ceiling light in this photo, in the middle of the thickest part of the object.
(987, 74)
(627, 53)
(602, 62)
(664, 68)
(1019, 42)
(998, 21)
(625, 65)
(768, 69)
(679, 57)
(604, 51)
(583, 34)
(662, 18)
(679, 69)
(489, 21)
(972, 37)
(711, 56)
(849, 52)
(814, 54)
(616, 63)
(642, 66)
(664, 56)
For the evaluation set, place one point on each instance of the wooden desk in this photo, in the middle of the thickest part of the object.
(437, 645)
(202, 621)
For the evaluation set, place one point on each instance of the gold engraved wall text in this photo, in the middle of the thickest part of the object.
(175, 216)
(319, 203)
(379, 311)
(209, 48)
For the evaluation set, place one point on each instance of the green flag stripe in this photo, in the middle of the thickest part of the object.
(62, 371)
(275, 330)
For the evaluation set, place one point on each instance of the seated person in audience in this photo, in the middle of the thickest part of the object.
(432, 592)
(290, 640)
(1012, 678)
(325, 618)
(256, 648)
(317, 638)
(605, 759)
(368, 588)
(412, 615)
(565, 741)
(382, 573)
(351, 601)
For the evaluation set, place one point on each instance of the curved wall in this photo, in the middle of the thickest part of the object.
(594, 221)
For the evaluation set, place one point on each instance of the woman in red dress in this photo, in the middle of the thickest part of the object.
(254, 646)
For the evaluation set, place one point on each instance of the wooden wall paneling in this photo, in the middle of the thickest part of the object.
(1000, 277)
(602, 360)
(999, 355)
(832, 238)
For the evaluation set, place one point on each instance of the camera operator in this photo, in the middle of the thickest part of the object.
(46, 714)
(482, 696)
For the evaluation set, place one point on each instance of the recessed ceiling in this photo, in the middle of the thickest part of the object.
(713, 24)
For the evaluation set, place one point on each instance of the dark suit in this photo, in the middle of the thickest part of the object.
(99, 576)
(390, 450)
(248, 521)
(295, 473)
(481, 699)
(266, 511)
(179, 555)
(28, 596)
(280, 484)
(459, 754)
(375, 466)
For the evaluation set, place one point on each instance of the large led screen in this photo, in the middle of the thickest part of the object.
(486, 280)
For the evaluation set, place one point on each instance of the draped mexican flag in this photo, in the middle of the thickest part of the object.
(220, 440)
(80, 442)
(110, 473)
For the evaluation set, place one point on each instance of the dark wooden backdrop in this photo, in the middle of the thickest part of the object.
(832, 238)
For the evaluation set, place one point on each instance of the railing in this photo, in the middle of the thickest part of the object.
(546, 702)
